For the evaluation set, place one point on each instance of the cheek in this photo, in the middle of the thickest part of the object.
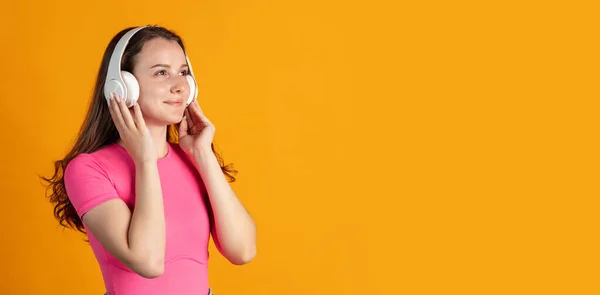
(160, 89)
(150, 89)
(145, 108)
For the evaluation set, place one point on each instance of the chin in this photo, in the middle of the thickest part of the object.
(169, 119)
(174, 119)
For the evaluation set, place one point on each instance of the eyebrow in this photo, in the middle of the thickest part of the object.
(166, 66)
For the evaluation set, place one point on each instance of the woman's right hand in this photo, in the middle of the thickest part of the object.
(135, 136)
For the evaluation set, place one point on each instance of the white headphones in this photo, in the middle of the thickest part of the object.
(123, 83)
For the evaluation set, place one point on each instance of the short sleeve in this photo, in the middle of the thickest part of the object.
(87, 184)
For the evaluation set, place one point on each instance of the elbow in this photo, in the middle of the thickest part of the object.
(243, 257)
(150, 269)
(153, 271)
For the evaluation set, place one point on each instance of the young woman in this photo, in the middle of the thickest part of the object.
(144, 181)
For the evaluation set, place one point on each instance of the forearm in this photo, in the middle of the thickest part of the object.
(233, 226)
(147, 226)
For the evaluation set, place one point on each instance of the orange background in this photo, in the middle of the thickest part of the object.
(383, 147)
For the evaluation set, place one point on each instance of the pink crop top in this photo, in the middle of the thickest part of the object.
(109, 173)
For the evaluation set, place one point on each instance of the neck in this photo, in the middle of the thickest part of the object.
(159, 137)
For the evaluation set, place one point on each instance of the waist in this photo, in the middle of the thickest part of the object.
(181, 276)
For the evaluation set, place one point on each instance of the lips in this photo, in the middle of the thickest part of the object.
(176, 102)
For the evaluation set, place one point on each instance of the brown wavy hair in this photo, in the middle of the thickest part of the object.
(98, 129)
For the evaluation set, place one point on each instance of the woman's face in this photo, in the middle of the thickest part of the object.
(160, 69)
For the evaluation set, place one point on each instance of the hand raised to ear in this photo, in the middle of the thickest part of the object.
(134, 134)
(196, 132)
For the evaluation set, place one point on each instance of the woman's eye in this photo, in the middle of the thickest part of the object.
(163, 72)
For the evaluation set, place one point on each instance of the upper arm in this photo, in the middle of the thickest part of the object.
(211, 218)
(109, 223)
(97, 203)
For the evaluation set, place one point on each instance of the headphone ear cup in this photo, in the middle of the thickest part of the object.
(192, 84)
(133, 88)
(113, 86)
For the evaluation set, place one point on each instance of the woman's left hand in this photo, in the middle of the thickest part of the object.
(196, 132)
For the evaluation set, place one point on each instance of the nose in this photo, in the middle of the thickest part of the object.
(179, 84)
